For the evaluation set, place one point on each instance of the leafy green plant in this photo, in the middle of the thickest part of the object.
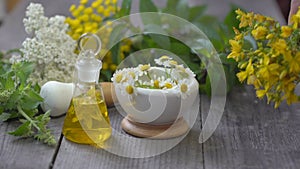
(20, 99)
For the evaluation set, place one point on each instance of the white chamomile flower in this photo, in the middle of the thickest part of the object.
(143, 69)
(190, 72)
(163, 61)
(184, 72)
(118, 76)
(128, 87)
(143, 83)
(133, 72)
(156, 83)
(168, 84)
(184, 88)
(170, 63)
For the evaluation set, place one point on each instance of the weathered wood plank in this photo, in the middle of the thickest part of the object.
(187, 154)
(253, 134)
(26, 153)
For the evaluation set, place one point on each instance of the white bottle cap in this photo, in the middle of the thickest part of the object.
(88, 67)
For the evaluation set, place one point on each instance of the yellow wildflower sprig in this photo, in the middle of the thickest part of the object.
(272, 65)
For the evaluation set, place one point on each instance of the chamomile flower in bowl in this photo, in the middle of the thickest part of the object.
(156, 94)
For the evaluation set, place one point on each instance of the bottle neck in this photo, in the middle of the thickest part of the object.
(84, 87)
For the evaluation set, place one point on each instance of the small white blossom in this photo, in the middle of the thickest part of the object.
(51, 48)
(143, 69)
(190, 72)
(16, 58)
(184, 88)
(162, 61)
(128, 85)
(168, 84)
(183, 72)
(35, 18)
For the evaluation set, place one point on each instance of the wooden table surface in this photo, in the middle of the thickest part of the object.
(251, 135)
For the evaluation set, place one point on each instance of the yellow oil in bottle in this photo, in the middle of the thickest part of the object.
(87, 120)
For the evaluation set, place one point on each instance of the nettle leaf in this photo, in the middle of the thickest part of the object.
(23, 70)
(9, 82)
(4, 117)
(22, 130)
(36, 88)
(14, 98)
(31, 100)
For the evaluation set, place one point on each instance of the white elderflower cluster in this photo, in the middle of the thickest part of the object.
(171, 76)
(50, 48)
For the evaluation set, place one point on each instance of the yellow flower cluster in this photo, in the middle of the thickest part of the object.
(272, 65)
(90, 17)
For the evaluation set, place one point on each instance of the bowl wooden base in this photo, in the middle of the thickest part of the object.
(176, 129)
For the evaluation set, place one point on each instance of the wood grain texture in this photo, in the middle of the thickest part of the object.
(187, 154)
(26, 153)
(253, 135)
(176, 129)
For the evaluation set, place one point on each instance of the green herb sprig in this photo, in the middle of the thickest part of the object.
(20, 99)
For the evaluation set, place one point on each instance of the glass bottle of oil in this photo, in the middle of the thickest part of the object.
(87, 120)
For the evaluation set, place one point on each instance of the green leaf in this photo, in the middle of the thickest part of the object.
(180, 49)
(36, 88)
(4, 117)
(160, 37)
(116, 34)
(106, 75)
(31, 100)
(9, 83)
(115, 51)
(196, 12)
(230, 19)
(183, 9)
(179, 8)
(148, 42)
(14, 98)
(206, 88)
(23, 70)
(125, 8)
(171, 7)
(149, 6)
(23, 130)
(1, 55)
(12, 51)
